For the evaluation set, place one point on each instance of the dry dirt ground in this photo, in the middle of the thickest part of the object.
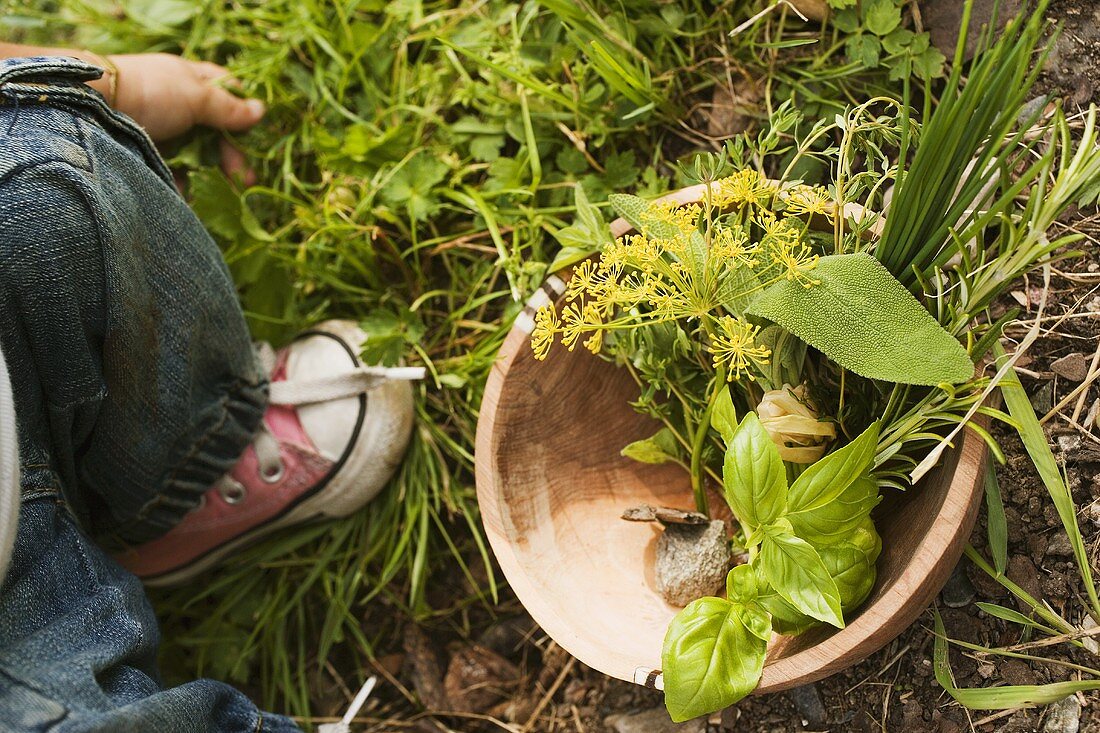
(498, 671)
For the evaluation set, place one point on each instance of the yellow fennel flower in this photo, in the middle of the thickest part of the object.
(802, 200)
(735, 347)
(743, 187)
(542, 336)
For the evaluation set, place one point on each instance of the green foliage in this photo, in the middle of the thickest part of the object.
(719, 648)
(753, 476)
(862, 318)
(661, 448)
(974, 133)
(878, 37)
(791, 582)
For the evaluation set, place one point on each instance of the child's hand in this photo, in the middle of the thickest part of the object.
(168, 95)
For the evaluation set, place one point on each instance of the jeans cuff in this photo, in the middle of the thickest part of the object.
(218, 447)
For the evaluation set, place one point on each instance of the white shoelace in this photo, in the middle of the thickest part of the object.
(305, 392)
(344, 726)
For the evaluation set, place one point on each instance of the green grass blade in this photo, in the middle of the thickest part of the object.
(1035, 442)
(996, 524)
(999, 698)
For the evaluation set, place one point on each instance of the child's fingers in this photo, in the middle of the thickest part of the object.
(235, 165)
(224, 111)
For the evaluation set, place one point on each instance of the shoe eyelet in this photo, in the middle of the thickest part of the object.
(232, 493)
(273, 477)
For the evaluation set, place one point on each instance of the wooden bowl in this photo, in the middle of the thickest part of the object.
(551, 486)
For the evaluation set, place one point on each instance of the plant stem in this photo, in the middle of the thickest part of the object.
(698, 480)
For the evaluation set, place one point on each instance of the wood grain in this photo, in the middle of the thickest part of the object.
(551, 487)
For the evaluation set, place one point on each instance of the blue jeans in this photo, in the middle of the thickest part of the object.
(135, 388)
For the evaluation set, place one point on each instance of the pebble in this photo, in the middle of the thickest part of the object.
(1059, 544)
(1043, 398)
(1063, 716)
(652, 721)
(958, 591)
(692, 561)
(1074, 367)
(807, 700)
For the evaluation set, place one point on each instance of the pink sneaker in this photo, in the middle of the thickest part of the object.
(325, 448)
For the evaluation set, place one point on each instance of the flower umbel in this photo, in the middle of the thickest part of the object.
(735, 348)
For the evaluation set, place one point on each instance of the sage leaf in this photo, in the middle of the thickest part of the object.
(753, 477)
(661, 448)
(863, 319)
(828, 477)
(629, 207)
(835, 521)
(795, 569)
(710, 658)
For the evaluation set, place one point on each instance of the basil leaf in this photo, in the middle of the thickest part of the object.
(786, 619)
(794, 568)
(753, 477)
(835, 521)
(661, 448)
(755, 619)
(723, 415)
(827, 478)
(862, 318)
(743, 585)
(851, 564)
(710, 658)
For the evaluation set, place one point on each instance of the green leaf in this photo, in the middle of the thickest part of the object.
(863, 48)
(795, 569)
(629, 207)
(742, 584)
(753, 477)
(661, 448)
(221, 208)
(999, 698)
(710, 658)
(851, 563)
(411, 186)
(862, 318)
(881, 16)
(755, 619)
(898, 41)
(584, 237)
(1012, 616)
(996, 523)
(835, 521)
(928, 64)
(827, 478)
(723, 415)
(846, 20)
(1035, 442)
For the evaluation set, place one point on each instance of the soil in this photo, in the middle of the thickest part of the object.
(496, 670)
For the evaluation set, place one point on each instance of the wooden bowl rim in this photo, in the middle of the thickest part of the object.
(933, 559)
